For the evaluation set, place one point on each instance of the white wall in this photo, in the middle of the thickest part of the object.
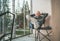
(42, 5)
(55, 21)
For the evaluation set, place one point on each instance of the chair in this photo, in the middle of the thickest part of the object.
(45, 36)
(43, 28)
(41, 21)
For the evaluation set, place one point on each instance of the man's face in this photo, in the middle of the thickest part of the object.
(37, 13)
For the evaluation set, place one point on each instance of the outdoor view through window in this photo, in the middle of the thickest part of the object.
(20, 8)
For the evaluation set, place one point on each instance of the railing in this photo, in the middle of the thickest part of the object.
(4, 35)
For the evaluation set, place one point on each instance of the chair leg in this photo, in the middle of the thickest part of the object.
(36, 36)
(47, 32)
(45, 36)
(39, 35)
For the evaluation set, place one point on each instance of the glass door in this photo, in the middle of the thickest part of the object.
(22, 8)
(5, 20)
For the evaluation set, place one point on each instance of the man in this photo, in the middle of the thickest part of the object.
(36, 20)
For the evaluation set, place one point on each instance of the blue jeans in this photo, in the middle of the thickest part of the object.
(31, 25)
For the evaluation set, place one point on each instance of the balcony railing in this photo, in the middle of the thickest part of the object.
(11, 33)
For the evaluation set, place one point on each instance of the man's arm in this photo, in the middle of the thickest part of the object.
(32, 15)
(45, 14)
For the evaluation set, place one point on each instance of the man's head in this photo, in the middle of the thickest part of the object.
(37, 13)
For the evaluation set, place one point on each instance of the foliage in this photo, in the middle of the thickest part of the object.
(7, 20)
(20, 17)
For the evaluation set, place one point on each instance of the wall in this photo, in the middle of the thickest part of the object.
(42, 5)
(55, 21)
(45, 6)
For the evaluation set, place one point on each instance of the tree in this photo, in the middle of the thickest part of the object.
(20, 17)
(6, 18)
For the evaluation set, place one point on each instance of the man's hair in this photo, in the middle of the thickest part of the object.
(37, 13)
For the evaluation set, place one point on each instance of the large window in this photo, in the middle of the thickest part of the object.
(20, 8)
